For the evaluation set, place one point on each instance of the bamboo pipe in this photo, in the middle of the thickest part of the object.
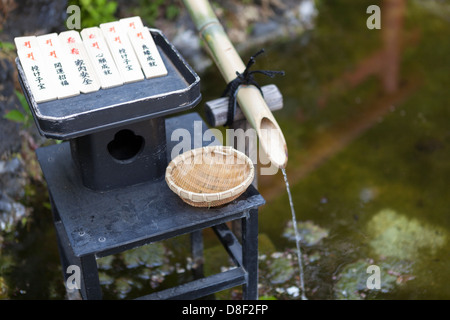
(249, 97)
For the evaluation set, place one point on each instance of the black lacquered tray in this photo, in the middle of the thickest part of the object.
(88, 113)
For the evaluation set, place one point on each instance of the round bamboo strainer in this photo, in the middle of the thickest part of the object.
(210, 176)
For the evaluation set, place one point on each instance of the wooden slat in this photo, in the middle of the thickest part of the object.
(122, 52)
(202, 287)
(62, 72)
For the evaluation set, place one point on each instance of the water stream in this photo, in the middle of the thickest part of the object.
(297, 237)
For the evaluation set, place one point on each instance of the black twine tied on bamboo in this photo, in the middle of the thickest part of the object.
(245, 78)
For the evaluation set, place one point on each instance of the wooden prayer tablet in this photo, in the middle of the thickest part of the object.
(73, 46)
(122, 52)
(144, 47)
(147, 53)
(85, 74)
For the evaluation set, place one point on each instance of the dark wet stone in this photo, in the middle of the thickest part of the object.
(12, 181)
(12, 185)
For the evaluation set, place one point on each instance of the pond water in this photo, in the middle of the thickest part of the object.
(366, 120)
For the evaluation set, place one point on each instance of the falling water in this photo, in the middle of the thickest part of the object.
(297, 236)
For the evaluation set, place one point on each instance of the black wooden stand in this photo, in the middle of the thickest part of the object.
(92, 224)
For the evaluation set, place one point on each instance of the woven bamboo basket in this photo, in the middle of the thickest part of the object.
(210, 176)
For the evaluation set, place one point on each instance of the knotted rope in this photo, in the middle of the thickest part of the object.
(245, 78)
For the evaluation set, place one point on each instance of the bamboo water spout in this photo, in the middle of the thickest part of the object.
(249, 97)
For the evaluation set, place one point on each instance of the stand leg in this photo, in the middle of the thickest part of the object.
(250, 254)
